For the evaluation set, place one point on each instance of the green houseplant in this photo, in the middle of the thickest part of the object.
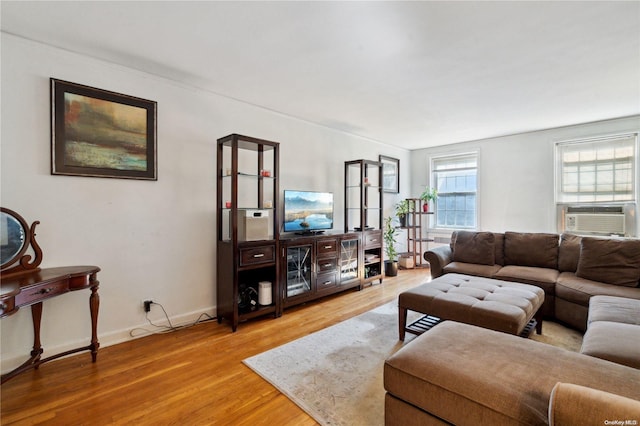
(389, 235)
(429, 194)
(402, 210)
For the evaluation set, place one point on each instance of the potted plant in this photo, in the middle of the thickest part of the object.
(402, 210)
(389, 235)
(429, 194)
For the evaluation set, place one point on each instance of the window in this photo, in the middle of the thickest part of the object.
(456, 179)
(596, 170)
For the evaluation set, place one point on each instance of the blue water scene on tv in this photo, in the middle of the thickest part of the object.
(307, 210)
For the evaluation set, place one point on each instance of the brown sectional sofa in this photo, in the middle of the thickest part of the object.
(570, 269)
(467, 375)
(463, 374)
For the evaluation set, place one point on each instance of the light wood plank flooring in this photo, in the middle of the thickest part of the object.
(190, 377)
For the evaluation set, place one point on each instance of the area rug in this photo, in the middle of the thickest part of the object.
(335, 374)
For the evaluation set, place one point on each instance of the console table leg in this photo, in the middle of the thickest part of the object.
(94, 305)
(36, 316)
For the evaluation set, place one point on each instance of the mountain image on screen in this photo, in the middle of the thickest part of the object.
(307, 211)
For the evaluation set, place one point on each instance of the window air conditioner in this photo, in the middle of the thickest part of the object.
(598, 220)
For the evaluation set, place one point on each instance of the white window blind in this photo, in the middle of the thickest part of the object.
(455, 178)
(597, 170)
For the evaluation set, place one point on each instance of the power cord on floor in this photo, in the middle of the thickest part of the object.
(161, 329)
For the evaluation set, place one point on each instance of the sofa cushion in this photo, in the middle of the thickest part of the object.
(499, 248)
(531, 249)
(471, 269)
(462, 373)
(613, 341)
(474, 247)
(542, 277)
(569, 252)
(610, 261)
(579, 290)
(579, 405)
(615, 309)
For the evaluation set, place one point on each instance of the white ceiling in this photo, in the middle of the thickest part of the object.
(410, 74)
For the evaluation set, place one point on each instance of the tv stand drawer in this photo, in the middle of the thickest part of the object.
(327, 247)
(327, 265)
(326, 281)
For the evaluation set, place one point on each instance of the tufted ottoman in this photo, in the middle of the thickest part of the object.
(497, 305)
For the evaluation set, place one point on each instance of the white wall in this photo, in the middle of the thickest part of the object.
(151, 239)
(516, 173)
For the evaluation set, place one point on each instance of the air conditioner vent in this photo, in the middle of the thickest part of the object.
(596, 223)
(596, 209)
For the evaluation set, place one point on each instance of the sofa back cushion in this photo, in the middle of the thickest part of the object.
(531, 249)
(474, 247)
(499, 246)
(569, 252)
(610, 261)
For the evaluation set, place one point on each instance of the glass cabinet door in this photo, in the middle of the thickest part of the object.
(348, 260)
(298, 270)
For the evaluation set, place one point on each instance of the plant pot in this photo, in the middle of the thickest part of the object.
(403, 221)
(425, 207)
(390, 268)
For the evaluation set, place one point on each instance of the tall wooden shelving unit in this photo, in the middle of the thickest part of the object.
(363, 213)
(247, 250)
(417, 239)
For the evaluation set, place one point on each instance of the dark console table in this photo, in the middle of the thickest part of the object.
(23, 283)
(33, 288)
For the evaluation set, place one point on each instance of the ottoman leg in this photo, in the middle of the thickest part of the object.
(402, 321)
(538, 317)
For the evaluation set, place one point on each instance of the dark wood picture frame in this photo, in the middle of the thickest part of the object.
(99, 133)
(390, 174)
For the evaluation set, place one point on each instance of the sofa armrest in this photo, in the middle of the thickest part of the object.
(438, 258)
(571, 404)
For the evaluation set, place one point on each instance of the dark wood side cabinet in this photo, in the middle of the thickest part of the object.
(319, 265)
(363, 210)
(248, 229)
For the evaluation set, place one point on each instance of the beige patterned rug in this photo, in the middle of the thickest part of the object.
(335, 374)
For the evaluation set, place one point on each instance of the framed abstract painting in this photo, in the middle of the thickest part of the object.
(100, 133)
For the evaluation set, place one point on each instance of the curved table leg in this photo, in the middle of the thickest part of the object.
(94, 305)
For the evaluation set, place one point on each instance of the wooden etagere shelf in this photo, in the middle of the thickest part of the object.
(417, 233)
(363, 210)
(248, 228)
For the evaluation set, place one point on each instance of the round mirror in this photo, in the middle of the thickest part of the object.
(13, 237)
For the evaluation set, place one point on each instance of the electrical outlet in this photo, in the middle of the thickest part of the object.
(146, 305)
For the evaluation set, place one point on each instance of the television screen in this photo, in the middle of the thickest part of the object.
(307, 211)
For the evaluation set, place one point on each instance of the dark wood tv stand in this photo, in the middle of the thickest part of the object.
(314, 266)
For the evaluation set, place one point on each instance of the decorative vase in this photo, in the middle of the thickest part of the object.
(425, 207)
(403, 221)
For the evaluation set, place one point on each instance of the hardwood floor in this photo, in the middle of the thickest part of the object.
(190, 377)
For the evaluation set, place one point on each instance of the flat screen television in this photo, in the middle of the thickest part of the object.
(308, 212)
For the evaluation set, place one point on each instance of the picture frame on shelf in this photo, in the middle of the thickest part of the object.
(99, 133)
(390, 174)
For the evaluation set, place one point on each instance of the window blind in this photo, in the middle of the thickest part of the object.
(597, 170)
